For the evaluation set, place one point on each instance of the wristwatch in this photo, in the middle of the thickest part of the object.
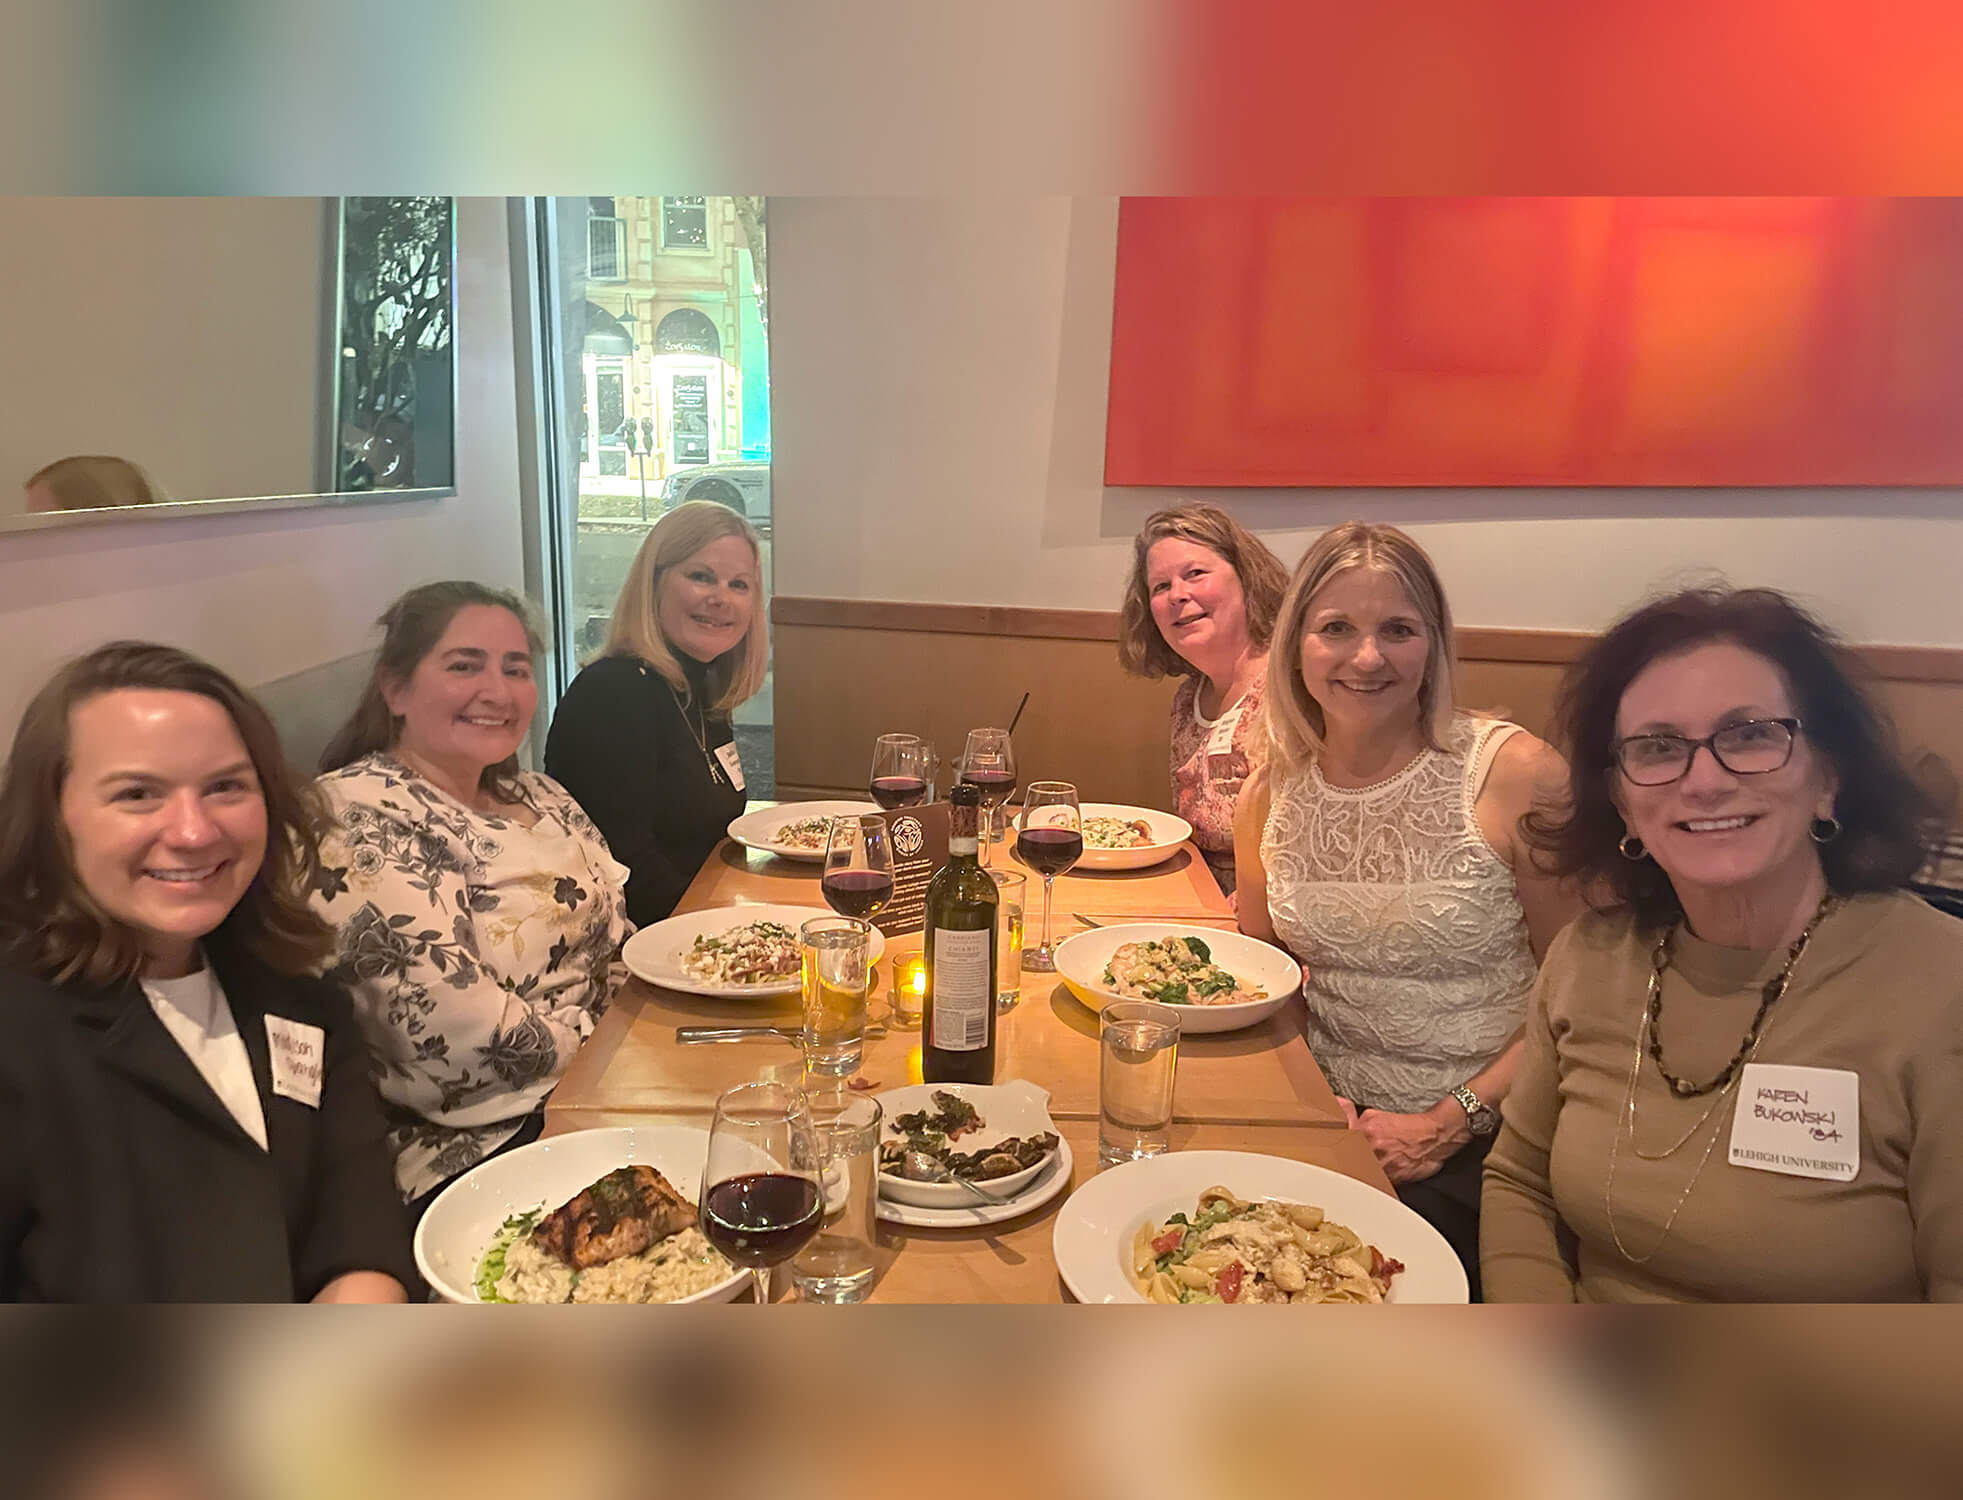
(1481, 1116)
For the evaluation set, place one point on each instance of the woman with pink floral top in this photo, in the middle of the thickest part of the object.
(1201, 605)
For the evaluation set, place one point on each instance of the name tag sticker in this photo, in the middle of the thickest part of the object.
(299, 1056)
(732, 763)
(1805, 1122)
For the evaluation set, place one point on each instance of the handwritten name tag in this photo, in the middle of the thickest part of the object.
(732, 763)
(299, 1057)
(1805, 1122)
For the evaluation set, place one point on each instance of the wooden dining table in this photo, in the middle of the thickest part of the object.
(1255, 1090)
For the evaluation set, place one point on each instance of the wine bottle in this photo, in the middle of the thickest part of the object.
(957, 1018)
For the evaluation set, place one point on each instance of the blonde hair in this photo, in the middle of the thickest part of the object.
(1296, 724)
(636, 627)
(1142, 649)
(95, 481)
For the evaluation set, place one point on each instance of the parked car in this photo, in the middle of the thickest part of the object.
(743, 486)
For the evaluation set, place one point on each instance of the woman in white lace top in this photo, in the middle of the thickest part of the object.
(1382, 847)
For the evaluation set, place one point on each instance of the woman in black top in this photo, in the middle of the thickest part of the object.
(186, 1114)
(642, 739)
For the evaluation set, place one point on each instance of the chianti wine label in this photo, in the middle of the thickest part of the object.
(959, 990)
(919, 837)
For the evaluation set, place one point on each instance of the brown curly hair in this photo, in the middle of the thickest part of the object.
(50, 924)
(1880, 808)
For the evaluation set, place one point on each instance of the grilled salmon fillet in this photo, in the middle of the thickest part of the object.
(622, 1214)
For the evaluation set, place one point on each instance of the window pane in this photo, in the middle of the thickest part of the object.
(671, 339)
(684, 223)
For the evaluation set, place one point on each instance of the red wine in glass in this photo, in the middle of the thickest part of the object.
(1050, 851)
(761, 1218)
(857, 893)
(996, 787)
(895, 792)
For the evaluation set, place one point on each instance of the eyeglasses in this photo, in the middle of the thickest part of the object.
(1750, 748)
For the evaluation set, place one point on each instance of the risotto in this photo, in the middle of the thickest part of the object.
(679, 1266)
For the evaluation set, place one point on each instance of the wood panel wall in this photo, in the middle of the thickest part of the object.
(849, 670)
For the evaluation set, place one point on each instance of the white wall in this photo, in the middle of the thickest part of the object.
(265, 595)
(939, 370)
(187, 334)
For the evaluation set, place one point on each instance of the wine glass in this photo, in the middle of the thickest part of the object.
(858, 878)
(1051, 841)
(761, 1193)
(902, 771)
(988, 764)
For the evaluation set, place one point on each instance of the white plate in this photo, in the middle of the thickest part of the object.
(1051, 1180)
(758, 830)
(1093, 1235)
(1018, 1107)
(1168, 833)
(655, 953)
(460, 1225)
(1081, 959)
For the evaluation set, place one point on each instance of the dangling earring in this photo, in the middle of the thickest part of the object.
(1823, 830)
(1631, 848)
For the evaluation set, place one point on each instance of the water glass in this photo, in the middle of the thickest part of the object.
(1009, 888)
(838, 1265)
(837, 971)
(1138, 1050)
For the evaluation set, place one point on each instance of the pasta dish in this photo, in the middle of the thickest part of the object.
(808, 834)
(1116, 833)
(754, 953)
(1175, 971)
(1235, 1251)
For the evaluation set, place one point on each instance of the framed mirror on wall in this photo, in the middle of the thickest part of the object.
(173, 357)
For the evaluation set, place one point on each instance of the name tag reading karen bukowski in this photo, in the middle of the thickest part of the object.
(1805, 1122)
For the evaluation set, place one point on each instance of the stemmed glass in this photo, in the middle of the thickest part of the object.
(1051, 841)
(761, 1193)
(988, 764)
(902, 771)
(858, 878)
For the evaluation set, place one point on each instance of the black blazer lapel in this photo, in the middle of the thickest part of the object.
(134, 1043)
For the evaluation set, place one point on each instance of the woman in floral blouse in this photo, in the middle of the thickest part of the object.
(478, 909)
(1200, 605)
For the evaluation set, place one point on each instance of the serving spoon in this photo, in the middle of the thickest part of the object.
(918, 1166)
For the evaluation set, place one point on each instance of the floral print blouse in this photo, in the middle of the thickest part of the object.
(1211, 761)
(477, 950)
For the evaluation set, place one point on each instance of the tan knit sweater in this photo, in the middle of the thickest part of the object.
(1879, 992)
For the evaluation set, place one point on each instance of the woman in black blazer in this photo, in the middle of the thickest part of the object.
(185, 1114)
(643, 738)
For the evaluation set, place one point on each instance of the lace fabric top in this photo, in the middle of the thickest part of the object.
(1407, 919)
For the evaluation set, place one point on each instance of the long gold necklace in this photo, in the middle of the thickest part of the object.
(701, 737)
(1726, 1084)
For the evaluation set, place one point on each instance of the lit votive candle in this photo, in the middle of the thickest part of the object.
(909, 984)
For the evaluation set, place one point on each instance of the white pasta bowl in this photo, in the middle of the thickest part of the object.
(655, 953)
(460, 1225)
(762, 830)
(1016, 1108)
(1081, 960)
(1096, 1228)
(1169, 833)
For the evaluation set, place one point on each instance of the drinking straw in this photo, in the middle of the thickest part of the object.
(1018, 715)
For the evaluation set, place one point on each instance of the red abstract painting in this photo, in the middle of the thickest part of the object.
(1537, 341)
